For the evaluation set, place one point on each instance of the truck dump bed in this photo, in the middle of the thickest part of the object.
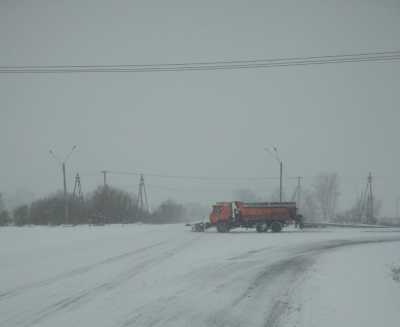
(267, 210)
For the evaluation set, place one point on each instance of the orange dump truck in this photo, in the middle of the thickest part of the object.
(263, 216)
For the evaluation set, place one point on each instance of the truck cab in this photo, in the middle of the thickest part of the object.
(221, 211)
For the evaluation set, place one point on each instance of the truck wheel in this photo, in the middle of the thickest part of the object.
(262, 228)
(222, 228)
(276, 226)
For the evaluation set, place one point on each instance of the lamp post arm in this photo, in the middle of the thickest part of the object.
(69, 154)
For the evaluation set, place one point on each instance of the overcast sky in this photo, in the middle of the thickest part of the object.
(327, 118)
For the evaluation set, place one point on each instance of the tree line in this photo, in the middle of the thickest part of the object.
(108, 204)
(105, 205)
(319, 202)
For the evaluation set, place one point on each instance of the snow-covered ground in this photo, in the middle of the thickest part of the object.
(353, 286)
(149, 275)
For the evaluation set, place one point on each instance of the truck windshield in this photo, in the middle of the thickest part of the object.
(216, 209)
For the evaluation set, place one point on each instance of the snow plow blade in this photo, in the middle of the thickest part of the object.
(200, 227)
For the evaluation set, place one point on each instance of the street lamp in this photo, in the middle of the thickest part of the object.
(62, 163)
(275, 154)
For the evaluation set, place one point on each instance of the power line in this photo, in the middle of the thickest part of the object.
(204, 188)
(205, 178)
(214, 178)
(207, 65)
(219, 179)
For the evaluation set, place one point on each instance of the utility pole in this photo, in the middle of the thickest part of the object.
(78, 188)
(369, 202)
(298, 191)
(66, 209)
(62, 163)
(142, 201)
(371, 196)
(280, 180)
(274, 153)
(104, 172)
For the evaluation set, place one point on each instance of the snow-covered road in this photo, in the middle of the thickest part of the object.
(149, 275)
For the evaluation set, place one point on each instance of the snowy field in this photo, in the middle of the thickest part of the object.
(149, 275)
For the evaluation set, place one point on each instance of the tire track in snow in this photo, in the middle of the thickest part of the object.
(75, 272)
(277, 281)
(280, 306)
(250, 252)
(84, 296)
(271, 288)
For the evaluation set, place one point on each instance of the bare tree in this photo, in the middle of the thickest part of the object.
(169, 211)
(308, 206)
(112, 205)
(357, 213)
(4, 214)
(21, 215)
(326, 189)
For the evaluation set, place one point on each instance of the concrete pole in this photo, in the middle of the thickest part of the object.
(298, 191)
(66, 213)
(280, 180)
(371, 197)
(104, 172)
